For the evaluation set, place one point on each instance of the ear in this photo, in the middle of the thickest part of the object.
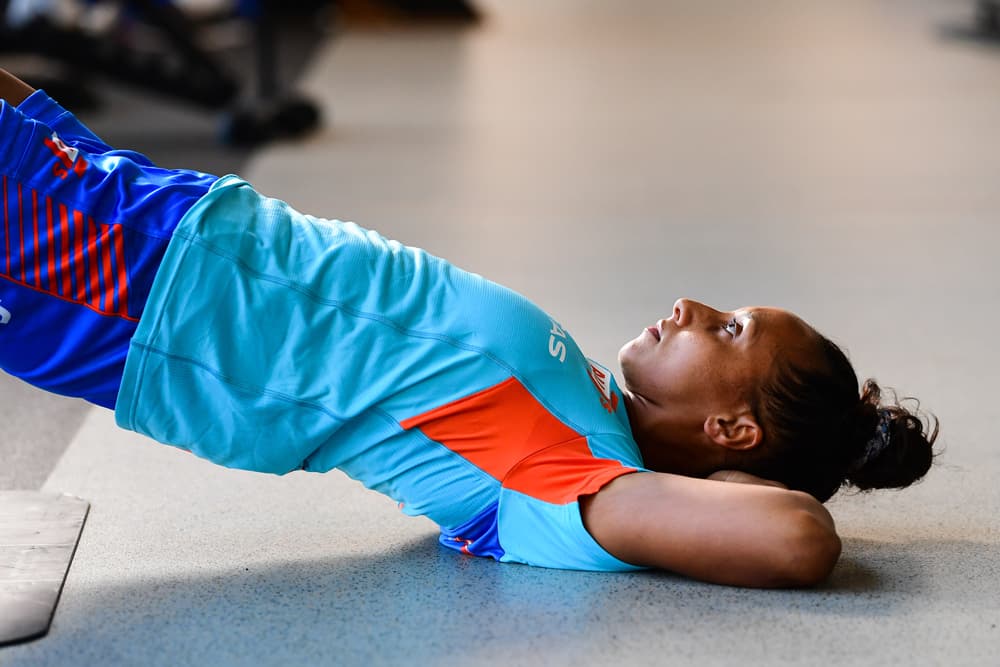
(738, 432)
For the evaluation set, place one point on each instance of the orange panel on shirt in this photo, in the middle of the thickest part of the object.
(563, 473)
(499, 427)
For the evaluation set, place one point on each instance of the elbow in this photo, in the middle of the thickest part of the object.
(811, 551)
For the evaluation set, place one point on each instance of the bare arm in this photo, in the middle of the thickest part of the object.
(13, 90)
(736, 534)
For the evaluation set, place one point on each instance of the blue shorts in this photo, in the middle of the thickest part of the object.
(82, 232)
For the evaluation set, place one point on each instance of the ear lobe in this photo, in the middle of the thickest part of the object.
(739, 433)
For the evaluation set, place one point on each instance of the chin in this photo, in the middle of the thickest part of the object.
(624, 353)
(624, 362)
(630, 348)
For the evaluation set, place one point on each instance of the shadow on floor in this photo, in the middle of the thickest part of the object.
(428, 601)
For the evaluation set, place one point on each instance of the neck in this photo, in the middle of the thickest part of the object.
(670, 443)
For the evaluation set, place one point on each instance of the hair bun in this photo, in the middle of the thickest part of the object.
(894, 449)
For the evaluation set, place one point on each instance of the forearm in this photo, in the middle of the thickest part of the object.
(13, 90)
(763, 538)
(736, 534)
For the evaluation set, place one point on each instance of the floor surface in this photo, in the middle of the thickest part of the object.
(838, 159)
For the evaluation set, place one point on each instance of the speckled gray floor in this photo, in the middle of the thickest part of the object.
(839, 159)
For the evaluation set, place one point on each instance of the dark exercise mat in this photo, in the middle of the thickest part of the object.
(38, 537)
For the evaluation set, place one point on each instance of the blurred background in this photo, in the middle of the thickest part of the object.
(603, 158)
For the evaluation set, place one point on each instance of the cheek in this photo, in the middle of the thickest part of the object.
(650, 370)
(689, 364)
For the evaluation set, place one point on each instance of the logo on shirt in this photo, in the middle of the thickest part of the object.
(4, 315)
(68, 159)
(601, 377)
(557, 342)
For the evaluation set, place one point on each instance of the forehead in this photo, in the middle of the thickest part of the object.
(779, 325)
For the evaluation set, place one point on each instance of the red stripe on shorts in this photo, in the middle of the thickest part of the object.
(93, 270)
(65, 259)
(20, 223)
(122, 282)
(106, 273)
(74, 257)
(34, 216)
(79, 257)
(51, 236)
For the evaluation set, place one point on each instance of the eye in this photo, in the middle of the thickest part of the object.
(733, 327)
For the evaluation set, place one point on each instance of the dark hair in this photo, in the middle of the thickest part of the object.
(820, 433)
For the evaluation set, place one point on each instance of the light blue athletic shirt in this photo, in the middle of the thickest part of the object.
(275, 341)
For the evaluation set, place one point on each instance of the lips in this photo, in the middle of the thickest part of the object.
(654, 332)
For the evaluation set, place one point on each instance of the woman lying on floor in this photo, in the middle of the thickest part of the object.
(220, 321)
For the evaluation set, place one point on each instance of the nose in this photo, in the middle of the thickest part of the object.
(683, 309)
(687, 311)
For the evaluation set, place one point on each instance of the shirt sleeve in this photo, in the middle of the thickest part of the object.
(539, 519)
(545, 534)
